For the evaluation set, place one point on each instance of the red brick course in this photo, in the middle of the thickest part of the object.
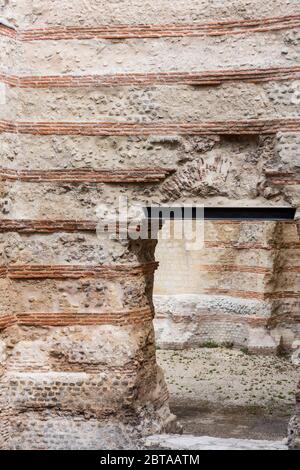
(253, 294)
(46, 226)
(219, 268)
(282, 178)
(3, 271)
(161, 30)
(8, 32)
(52, 226)
(11, 80)
(214, 78)
(8, 126)
(111, 272)
(247, 127)
(211, 317)
(30, 271)
(251, 246)
(284, 319)
(127, 31)
(143, 175)
(119, 318)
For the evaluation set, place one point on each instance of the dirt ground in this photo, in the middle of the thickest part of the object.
(228, 393)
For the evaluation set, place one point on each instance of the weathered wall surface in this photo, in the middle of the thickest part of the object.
(78, 366)
(65, 12)
(92, 113)
(175, 102)
(102, 56)
(241, 288)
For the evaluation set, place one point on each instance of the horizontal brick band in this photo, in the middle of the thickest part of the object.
(219, 268)
(251, 246)
(105, 272)
(209, 316)
(52, 226)
(119, 318)
(3, 272)
(11, 80)
(127, 31)
(8, 126)
(283, 178)
(286, 182)
(29, 271)
(216, 77)
(248, 127)
(161, 30)
(46, 226)
(283, 295)
(59, 365)
(223, 268)
(143, 175)
(253, 294)
(8, 31)
(284, 319)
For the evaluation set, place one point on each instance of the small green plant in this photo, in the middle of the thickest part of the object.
(245, 351)
(210, 345)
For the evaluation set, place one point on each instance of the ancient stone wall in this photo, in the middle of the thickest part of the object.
(199, 104)
(78, 366)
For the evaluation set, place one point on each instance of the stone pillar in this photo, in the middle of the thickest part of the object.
(77, 347)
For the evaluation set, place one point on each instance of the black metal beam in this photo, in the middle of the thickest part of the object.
(222, 213)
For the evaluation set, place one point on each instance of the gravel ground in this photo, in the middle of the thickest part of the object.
(228, 393)
(175, 442)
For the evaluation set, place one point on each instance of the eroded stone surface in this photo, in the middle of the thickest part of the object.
(126, 12)
(62, 344)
